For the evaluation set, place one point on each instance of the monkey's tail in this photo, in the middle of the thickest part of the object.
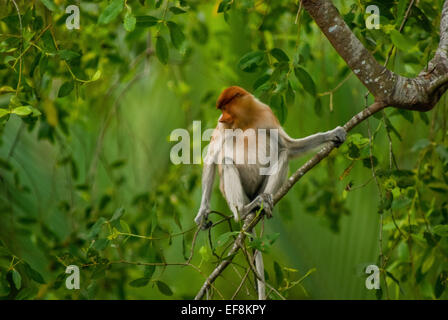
(259, 266)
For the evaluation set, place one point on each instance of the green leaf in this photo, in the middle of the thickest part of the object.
(424, 117)
(164, 289)
(68, 55)
(36, 112)
(279, 54)
(129, 22)
(264, 243)
(49, 4)
(224, 5)
(441, 230)
(125, 226)
(138, 283)
(3, 112)
(306, 80)
(111, 12)
(33, 274)
(96, 75)
(400, 203)
(290, 95)
(162, 50)
(176, 34)
(17, 279)
(100, 244)
(6, 89)
(22, 111)
(438, 187)
(223, 238)
(442, 151)
(205, 253)
(277, 103)
(250, 61)
(393, 129)
(428, 263)
(420, 144)
(117, 214)
(146, 21)
(96, 228)
(401, 42)
(48, 47)
(66, 88)
(177, 10)
(149, 271)
(394, 279)
(260, 81)
(407, 114)
(278, 273)
(367, 162)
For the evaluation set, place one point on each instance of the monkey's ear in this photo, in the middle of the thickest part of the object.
(229, 94)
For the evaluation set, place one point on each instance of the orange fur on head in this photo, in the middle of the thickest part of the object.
(227, 95)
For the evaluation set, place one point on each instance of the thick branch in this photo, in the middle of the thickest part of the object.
(374, 76)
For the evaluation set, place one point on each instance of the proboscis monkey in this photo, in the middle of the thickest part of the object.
(252, 152)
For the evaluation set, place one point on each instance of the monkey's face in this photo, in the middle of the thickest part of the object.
(234, 103)
(227, 115)
(238, 113)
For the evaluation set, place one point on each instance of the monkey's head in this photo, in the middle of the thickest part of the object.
(237, 107)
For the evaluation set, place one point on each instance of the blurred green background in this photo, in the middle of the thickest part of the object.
(137, 70)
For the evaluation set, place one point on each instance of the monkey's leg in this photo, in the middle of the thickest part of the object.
(272, 183)
(259, 266)
(233, 189)
(208, 176)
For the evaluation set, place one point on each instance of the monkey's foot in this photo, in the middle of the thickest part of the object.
(264, 201)
(338, 136)
(201, 219)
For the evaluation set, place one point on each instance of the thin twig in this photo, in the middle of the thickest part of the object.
(241, 284)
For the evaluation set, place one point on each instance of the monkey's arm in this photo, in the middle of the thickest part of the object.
(298, 147)
(208, 177)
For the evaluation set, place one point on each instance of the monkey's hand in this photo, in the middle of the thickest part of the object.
(264, 201)
(338, 135)
(201, 218)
